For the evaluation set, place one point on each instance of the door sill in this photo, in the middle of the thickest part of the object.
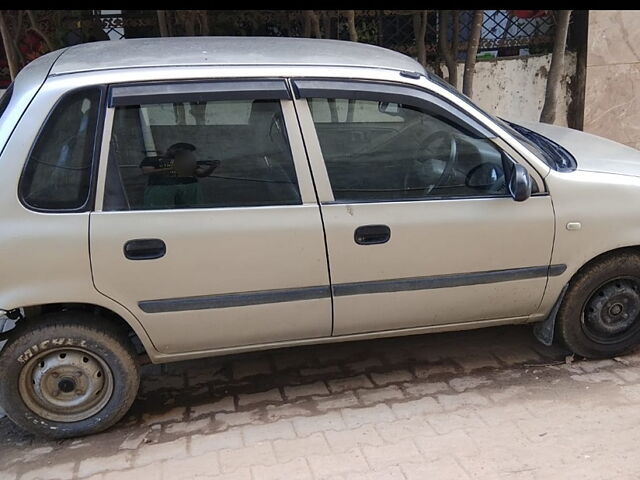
(157, 357)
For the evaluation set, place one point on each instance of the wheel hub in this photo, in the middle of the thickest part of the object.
(66, 385)
(612, 310)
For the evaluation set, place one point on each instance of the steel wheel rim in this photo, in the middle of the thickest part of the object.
(612, 311)
(66, 385)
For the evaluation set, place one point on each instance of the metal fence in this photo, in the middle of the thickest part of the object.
(503, 32)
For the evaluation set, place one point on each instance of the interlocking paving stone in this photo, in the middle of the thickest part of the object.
(475, 405)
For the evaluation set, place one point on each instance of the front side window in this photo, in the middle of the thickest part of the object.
(57, 175)
(206, 154)
(380, 151)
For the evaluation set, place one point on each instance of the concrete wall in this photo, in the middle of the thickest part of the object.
(612, 96)
(513, 88)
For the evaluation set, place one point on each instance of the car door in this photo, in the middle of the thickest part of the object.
(206, 226)
(421, 230)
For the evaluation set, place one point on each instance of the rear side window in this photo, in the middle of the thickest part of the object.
(57, 175)
(210, 154)
(6, 98)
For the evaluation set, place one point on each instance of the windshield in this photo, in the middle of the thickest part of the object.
(4, 101)
(549, 152)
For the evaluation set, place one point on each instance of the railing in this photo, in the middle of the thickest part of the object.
(503, 32)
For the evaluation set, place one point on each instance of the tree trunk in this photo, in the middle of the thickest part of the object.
(180, 113)
(351, 110)
(333, 108)
(39, 31)
(315, 23)
(420, 32)
(472, 52)
(445, 48)
(306, 32)
(326, 24)
(162, 22)
(15, 36)
(556, 69)
(351, 22)
(8, 47)
(204, 23)
(199, 111)
(189, 23)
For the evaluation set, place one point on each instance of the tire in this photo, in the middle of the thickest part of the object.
(67, 375)
(600, 314)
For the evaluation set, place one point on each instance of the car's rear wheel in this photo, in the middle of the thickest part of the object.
(68, 375)
(600, 314)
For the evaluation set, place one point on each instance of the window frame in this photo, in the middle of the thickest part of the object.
(244, 88)
(90, 201)
(363, 89)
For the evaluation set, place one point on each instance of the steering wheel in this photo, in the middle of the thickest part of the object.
(426, 145)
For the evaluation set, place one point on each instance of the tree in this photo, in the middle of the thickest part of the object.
(39, 31)
(449, 50)
(420, 32)
(311, 24)
(351, 22)
(472, 52)
(548, 114)
(9, 50)
(162, 23)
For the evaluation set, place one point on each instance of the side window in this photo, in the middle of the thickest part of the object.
(5, 99)
(378, 151)
(57, 175)
(207, 154)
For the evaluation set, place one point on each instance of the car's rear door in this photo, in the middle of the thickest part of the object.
(413, 242)
(216, 257)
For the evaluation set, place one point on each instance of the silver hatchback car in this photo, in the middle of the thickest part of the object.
(190, 197)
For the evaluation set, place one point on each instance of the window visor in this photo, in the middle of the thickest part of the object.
(200, 91)
(386, 92)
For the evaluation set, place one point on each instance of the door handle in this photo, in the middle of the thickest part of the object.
(144, 249)
(372, 234)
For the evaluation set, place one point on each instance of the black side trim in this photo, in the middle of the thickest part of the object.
(394, 93)
(234, 299)
(358, 288)
(445, 281)
(544, 330)
(557, 270)
(200, 91)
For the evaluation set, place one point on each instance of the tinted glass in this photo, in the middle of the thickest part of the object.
(200, 155)
(5, 99)
(377, 151)
(57, 175)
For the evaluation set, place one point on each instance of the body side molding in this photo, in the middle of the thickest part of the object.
(259, 297)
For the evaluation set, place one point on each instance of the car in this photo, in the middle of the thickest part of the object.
(178, 198)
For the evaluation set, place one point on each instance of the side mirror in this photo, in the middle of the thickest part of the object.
(388, 108)
(519, 183)
(483, 177)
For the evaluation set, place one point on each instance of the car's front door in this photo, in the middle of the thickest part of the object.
(207, 227)
(420, 227)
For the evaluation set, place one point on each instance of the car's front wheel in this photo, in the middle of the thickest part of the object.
(600, 314)
(68, 375)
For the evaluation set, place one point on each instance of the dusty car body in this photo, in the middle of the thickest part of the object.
(204, 196)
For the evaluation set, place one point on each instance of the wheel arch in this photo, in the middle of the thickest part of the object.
(128, 323)
(545, 330)
(607, 254)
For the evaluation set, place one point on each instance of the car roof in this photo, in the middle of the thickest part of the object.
(206, 51)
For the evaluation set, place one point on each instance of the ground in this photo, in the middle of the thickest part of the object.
(484, 404)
